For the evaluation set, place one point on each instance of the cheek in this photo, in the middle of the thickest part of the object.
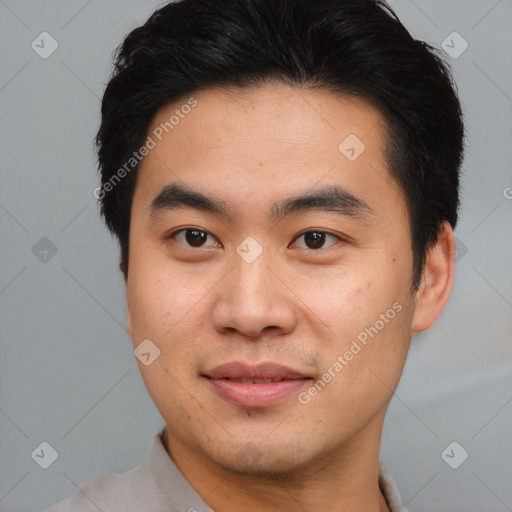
(165, 311)
(162, 305)
(349, 300)
(368, 323)
(362, 367)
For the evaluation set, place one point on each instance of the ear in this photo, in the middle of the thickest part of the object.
(437, 280)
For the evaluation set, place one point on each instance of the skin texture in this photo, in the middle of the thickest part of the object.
(301, 307)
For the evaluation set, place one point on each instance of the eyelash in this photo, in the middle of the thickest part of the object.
(183, 230)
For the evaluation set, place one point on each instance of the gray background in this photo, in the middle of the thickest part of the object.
(67, 371)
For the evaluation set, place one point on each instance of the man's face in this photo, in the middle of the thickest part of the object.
(319, 287)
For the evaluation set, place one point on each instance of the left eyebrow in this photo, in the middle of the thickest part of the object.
(334, 198)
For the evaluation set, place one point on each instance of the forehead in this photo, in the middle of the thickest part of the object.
(251, 146)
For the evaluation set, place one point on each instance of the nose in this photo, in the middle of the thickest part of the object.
(253, 301)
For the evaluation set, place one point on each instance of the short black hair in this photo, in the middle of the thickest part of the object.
(354, 47)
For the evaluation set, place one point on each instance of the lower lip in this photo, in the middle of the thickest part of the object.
(256, 395)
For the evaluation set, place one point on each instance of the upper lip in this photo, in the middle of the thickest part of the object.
(266, 370)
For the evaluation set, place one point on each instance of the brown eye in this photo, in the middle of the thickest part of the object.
(316, 239)
(192, 237)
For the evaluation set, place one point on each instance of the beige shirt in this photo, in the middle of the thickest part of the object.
(157, 485)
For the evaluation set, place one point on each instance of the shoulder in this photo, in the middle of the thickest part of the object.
(131, 490)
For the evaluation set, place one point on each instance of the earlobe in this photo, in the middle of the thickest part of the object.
(437, 281)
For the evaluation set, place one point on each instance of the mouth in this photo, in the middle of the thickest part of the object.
(255, 381)
(255, 387)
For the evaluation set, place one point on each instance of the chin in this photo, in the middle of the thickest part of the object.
(253, 458)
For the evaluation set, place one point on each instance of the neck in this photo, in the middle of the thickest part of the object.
(344, 479)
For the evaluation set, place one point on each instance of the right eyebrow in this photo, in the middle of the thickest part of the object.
(174, 197)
